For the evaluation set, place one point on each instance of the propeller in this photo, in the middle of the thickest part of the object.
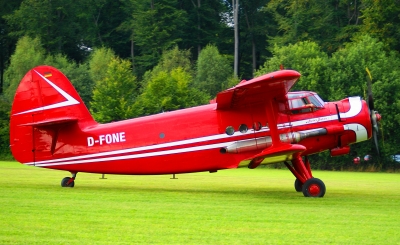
(374, 115)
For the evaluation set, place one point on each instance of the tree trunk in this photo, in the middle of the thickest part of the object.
(197, 7)
(198, 28)
(1, 67)
(253, 44)
(235, 6)
(96, 23)
(254, 54)
(133, 55)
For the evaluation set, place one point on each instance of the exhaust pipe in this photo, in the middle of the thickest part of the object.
(264, 142)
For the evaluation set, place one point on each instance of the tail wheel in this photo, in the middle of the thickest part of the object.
(298, 186)
(68, 182)
(314, 188)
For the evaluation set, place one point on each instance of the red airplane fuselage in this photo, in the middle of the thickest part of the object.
(51, 128)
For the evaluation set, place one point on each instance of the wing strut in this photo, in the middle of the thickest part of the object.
(277, 148)
(272, 122)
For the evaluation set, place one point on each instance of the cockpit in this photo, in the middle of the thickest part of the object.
(304, 102)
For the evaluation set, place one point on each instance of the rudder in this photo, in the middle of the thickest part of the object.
(44, 102)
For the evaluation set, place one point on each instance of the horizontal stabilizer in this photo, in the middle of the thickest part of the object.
(55, 121)
(273, 154)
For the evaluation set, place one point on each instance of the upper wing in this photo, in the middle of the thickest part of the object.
(275, 84)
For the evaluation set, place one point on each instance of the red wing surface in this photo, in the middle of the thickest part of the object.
(258, 90)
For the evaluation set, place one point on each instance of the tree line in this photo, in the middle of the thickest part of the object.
(129, 58)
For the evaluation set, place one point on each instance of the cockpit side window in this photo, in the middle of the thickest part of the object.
(304, 102)
(316, 101)
(297, 103)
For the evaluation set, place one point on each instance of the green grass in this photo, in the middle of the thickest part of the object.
(238, 206)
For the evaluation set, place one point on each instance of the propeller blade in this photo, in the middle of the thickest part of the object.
(371, 102)
(375, 117)
(370, 97)
(375, 134)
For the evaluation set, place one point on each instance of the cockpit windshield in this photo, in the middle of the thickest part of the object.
(302, 102)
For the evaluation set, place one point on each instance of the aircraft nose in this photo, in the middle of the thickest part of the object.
(378, 116)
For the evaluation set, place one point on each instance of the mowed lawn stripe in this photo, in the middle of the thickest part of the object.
(238, 206)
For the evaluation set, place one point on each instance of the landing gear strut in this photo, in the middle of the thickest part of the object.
(298, 186)
(69, 181)
(305, 182)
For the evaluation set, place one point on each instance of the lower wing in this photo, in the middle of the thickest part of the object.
(273, 154)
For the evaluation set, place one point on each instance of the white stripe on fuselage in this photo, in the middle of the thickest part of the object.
(360, 131)
(355, 108)
(140, 155)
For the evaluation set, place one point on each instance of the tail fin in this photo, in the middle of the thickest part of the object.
(45, 101)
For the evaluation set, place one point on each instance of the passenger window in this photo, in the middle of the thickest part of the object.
(229, 130)
(243, 128)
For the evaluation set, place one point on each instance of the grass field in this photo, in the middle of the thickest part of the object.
(238, 206)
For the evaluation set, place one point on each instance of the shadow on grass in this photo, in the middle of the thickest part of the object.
(225, 192)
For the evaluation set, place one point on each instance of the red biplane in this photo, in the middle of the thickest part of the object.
(256, 122)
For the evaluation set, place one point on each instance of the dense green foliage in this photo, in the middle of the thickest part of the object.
(113, 96)
(305, 57)
(168, 91)
(381, 20)
(4, 129)
(130, 58)
(213, 71)
(28, 53)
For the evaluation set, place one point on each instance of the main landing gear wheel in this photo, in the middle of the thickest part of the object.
(314, 188)
(68, 182)
(298, 186)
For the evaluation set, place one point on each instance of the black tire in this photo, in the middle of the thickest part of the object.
(64, 182)
(314, 188)
(298, 186)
